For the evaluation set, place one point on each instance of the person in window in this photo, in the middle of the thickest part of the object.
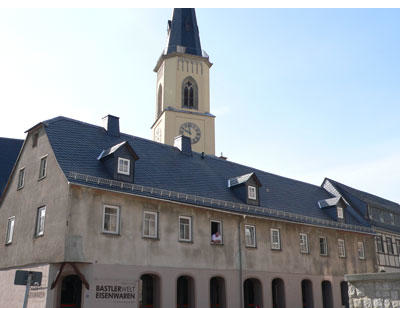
(216, 238)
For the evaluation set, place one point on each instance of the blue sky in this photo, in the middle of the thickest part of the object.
(303, 93)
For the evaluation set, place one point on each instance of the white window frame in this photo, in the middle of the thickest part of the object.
(155, 235)
(341, 248)
(10, 230)
(184, 225)
(252, 231)
(325, 253)
(41, 213)
(21, 176)
(44, 158)
(360, 246)
(340, 212)
(252, 192)
(117, 228)
(123, 160)
(275, 245)
(220, 232)
(304, 243)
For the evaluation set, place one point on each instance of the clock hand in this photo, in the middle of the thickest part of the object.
(187, 130)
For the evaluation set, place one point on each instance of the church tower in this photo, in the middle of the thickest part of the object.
(183, 87)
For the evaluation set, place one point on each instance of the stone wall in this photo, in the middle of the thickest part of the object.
(374, 290)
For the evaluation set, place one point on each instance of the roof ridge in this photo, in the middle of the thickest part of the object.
(9, 138)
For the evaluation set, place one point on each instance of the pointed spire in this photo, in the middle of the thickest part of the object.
(183, 33)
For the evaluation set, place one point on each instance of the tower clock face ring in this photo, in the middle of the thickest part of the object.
(191, 130)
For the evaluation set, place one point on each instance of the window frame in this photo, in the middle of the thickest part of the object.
(340, 211)
(252, 192)
(275, 245)
(390, 251)
(103, 230)
(190, 228)
(325, 253)
(19, 184)
(220, 231)
(379, 244)
(39, 230)
(127, 173)
(10, 231)
(341, 248)
(397, 242)
(307, 248)
(155, 236)
(362, 248)
(44, 158)
(252, 229)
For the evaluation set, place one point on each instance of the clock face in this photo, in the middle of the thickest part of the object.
(191, 130)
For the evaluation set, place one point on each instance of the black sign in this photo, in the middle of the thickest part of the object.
(21, 277)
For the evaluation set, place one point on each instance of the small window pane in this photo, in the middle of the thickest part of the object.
(185, 228)
(323, 247)
(21, 178)
(123, 166)
(340, 212)
(361, 252)
(252, 193)
(389, 245)
(379, 244)
(10, 230)
(250, 235)
(150, 225)
(43, 165)
(275, 239)
(40, 221)
(111, 219)
(303, 243)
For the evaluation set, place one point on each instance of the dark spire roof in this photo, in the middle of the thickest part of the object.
(183, 31)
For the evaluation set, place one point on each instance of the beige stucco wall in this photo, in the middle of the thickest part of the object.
(52, 192)
(169, 258)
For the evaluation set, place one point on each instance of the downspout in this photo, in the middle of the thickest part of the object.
(240, 264)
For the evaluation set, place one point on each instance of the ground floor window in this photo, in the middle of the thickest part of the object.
(327, 298)
(150, 290)
(344, 290)
(185, 292)
(278, 293)
(307, 294)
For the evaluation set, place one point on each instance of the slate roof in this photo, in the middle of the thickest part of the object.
(360, 200)
(77, 145)
(368, 198)
(9, 150)
(183, 31)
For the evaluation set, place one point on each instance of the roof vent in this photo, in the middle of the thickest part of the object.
(183, 143)
(111, 125)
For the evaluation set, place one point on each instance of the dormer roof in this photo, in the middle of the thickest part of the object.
(243, 179)
(113, 149)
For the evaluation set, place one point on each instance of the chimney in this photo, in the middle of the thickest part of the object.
(111, 125)
(183, 143)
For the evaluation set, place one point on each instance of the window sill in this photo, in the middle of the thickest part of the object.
(8, 244)
(186, 241)
(39, 236)
(40, 179)
(216, 243)
(150, 237)
(111, 233)
(304, 253)
(363, 259)
(323, 255)
(250, 247)
(20, 188)
(276, 249)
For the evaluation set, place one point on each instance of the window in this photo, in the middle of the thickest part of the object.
(189, 93)
(35, 139)
(341, 248)
(360, 248)
(275, 239)
(150, 224)
(41, 214)
(379, 244)
(185, 228)
(216, 232)
(340, 212)
(303, 243)
(111, 219)
(10, 230)
(123, 166)
(398, 246)
(389, 245)
(252, 192)
(43, 167)
(250, 235)
(21, 178)
(323, 246)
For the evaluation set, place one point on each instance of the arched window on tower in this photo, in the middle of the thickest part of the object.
(189, 93)
(159, 101)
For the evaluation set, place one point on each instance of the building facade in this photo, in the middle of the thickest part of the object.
(114, 220)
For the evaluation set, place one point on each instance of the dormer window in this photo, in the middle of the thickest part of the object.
(119, 161)
(123, 166)
(246, 188)
(252, 192)
(340, 212)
